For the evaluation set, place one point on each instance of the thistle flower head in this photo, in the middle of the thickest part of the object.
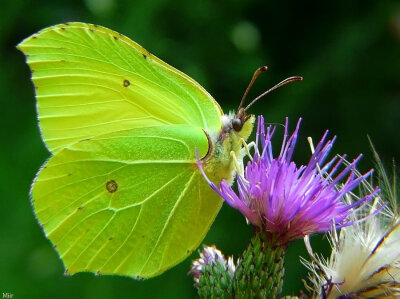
(365, 258)
(212, 257)
(288, 201)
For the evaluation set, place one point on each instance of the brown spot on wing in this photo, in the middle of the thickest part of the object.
(126, 83)
(111, 186)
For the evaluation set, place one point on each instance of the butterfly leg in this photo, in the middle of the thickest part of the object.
(246, 147)
(238, 165)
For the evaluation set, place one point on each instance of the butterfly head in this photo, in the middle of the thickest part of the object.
(239, 120)
(242, 123)
(236, 128)
(238, 124)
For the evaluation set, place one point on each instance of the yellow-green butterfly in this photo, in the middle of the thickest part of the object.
(121, 193)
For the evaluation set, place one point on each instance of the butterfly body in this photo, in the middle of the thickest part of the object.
(221, 164)
(122, 193)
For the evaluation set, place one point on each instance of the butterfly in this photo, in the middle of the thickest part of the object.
(121, 193)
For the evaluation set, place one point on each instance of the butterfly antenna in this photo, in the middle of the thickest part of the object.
(255, 76)
(284, 82)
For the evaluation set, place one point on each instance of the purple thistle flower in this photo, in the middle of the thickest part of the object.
(289, 202)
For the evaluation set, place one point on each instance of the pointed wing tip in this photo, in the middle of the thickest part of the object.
(25, 44)
(21, 46)
(33, 37)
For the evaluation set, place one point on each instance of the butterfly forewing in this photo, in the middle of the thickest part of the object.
(90, 80)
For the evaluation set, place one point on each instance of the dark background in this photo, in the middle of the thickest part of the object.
(348, 54)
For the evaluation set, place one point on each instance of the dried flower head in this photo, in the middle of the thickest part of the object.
(365, 258)
(287, 201)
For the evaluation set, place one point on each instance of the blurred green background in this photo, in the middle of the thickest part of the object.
(347, 51)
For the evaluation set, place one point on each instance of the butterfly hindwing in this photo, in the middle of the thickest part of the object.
(90, 80)
(130, 203)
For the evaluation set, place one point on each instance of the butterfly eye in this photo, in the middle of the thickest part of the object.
(237, 124)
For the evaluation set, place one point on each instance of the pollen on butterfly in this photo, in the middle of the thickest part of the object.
(111, 186)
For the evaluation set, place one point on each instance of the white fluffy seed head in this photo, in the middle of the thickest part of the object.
(365, 258)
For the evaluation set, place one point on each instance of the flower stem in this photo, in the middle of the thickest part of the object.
(261, 269)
